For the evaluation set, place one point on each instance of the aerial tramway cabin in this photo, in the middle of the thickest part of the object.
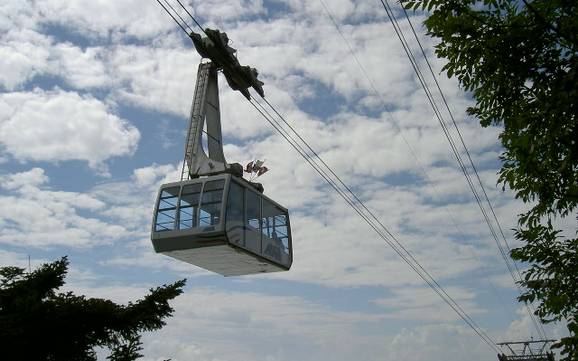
(221, 223)
(213, 217)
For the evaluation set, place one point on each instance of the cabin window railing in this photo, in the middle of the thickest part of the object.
(253, 221)
(275, 233)
(188, 206)
(235, 212)
(167, 210)
(211, 203)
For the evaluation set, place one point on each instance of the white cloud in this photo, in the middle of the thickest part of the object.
(249, 326)
(159, 78)
(33, 216)
(23, 54)
(16, 259)
(81, 68)
(439, 342)
(226, 11)
(522, 328)
(131, 202)
(211, 324)
(16, 14)
(26, 222)
(101, 18)
(58, 125)
(33, 177)
(421, 303)
(153, 175)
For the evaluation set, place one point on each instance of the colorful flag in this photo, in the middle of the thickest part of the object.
(249, 167)
(257, 165)
(262, 170)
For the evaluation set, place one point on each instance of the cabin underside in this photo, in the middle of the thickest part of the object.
(225, 260)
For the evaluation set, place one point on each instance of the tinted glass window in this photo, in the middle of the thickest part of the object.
(188, 206)
(167, 209)
(276, 244)
(253, 221)
(235, 208)
(210, 211)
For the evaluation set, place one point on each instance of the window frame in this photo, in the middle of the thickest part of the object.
(222, 212)
(246, 191)
(195, 220)
(158, 209)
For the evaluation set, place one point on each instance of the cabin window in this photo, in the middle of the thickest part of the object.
(210, 211)
(235, 210)
(275, 233)
(188, 206)
(253, 222)
(167, 210)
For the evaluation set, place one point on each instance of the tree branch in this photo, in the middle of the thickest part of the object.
(547, 24)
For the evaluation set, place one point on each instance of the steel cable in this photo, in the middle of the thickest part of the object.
(415, 66)
(172, 16)
(412, 151)
(537, 325)
(361, 209)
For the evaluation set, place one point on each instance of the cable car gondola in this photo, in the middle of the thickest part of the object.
(221, 223)
(214, 218)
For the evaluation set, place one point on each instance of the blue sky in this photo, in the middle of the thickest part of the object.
(94, 99)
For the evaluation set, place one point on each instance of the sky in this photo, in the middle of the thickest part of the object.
(94, 103)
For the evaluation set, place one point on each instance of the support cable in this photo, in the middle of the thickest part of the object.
(442, 123)
(358, 205)
(537, 325)
(180, 17)
(192, 17)
(412, 151)
(405, 45)
(172, 16)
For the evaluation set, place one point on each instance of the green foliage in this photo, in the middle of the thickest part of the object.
(125, 347)
(40, 324)
(519, 60)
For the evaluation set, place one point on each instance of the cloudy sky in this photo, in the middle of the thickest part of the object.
(94, 99)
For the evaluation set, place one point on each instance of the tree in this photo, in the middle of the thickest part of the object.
(37, 323)
(519, 60)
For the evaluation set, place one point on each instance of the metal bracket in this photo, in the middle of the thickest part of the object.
(205, 108)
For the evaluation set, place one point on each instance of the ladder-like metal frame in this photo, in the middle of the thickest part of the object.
(205, 108)
(524, 351)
